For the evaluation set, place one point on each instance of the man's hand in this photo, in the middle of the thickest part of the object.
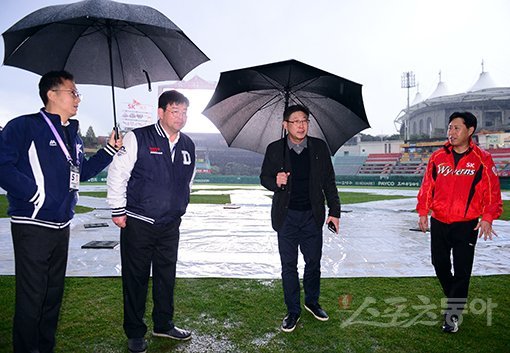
(120, 221)
(336, 222)
(115, 143)
(281, 178)
(423, 223)
(485, 230)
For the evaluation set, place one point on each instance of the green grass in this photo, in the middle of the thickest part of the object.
(4, 205)
(223, 188)
(505, 216)
(211, 199)
(82, 209)
(346, 197)
(358, 197)
(99, 194)
(244, 315)
(198, 199)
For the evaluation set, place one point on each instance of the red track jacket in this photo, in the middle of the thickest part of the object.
(460, 194)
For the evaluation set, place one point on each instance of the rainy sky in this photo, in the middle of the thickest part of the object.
(371, 42)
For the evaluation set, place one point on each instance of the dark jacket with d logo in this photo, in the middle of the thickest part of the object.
(159, 188)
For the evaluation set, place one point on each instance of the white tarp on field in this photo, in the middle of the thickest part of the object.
(374, 240)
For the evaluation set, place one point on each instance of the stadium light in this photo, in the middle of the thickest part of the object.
(407, 81)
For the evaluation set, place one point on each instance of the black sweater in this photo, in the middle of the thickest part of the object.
(300, 193)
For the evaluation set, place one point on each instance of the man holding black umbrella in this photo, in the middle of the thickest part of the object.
(41, 165)
(298, 169)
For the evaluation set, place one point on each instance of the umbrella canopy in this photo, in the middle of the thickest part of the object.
(247, 105)
(102, 42)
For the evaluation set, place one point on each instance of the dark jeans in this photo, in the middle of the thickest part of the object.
(300, 229)
(457, 239)
(143, 244)
(40, 264)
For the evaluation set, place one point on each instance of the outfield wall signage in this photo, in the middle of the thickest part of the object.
(341, 180)
(389, 181)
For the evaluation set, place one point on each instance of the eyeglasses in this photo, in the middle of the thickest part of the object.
(184, 113)
(73, 92)
(299, 122)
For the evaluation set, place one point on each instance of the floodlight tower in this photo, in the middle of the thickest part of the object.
(407, 81)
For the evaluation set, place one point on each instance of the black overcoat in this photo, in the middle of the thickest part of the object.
(322, 180)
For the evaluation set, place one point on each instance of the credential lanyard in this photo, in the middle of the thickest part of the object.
(59, 140)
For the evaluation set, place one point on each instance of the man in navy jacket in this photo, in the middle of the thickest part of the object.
(41, 165)
(149, 185)
(298, 169)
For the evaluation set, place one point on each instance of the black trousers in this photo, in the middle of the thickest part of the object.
(300, 230)
(143, 244)
(40, 256)
(457, 241)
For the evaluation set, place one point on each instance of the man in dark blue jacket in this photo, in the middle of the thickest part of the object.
(41, 165)
(298, 169)
(149, 184)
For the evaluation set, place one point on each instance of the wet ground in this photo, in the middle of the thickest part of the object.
(374, 240)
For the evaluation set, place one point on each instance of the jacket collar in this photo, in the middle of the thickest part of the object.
(449, 148)
(161, 132)
(298, 148)
(55, 119)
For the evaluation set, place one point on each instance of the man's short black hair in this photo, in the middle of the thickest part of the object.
(52, 80)
(469, 119)
(171, 97)
(295, 108)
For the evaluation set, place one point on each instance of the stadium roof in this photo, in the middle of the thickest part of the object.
(484, 81)
(484, 89)
(417, 99)
(441, 90)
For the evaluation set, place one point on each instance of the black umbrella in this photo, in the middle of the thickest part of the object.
(247, 105)
(102, 42)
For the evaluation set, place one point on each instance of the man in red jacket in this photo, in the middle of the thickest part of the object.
(461, 188)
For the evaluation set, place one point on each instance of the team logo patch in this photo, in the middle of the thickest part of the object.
(155, 150)
(186, 158)
(53, 143)
(445, 169)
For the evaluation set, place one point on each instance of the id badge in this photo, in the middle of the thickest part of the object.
(74, 178)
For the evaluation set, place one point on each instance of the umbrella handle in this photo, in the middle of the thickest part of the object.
(148, 80)
(283, 186)
(282, 169)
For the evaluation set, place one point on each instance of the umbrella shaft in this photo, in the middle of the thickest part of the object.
(109, 38)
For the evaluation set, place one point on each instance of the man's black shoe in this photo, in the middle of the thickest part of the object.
(317, 312)
(451, 324)
(289, 322)
(137, 345)
(174, 333)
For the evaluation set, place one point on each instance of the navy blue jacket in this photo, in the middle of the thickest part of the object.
(35, 172)
(158, 189)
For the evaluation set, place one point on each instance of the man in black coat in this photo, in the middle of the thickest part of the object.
(298, 169)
